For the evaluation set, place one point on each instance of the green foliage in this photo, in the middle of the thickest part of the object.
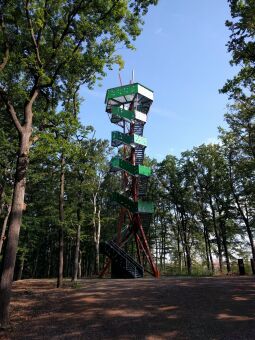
(242, 46)
(58, 45)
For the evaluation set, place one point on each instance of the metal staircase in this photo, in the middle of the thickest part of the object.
(142, 186)
(139, 155)
(138, 128)
(146, 221)
(123, 265)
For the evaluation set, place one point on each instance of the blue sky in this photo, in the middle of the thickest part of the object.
(182, 56)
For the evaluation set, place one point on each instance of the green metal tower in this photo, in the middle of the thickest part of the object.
(128, 107)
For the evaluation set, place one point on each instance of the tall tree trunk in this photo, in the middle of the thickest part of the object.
(225, 246)
(21, 266)
(47, 267)
(80, 265)
(15, 217)
(210, 250)
(49, 262)
(4, 227)
(61, 221)
(186, 242)
(178, 239)
(98, 237)
(78, 238)
(77, 252)
(68, 259)
(206, 247)
(251, 239)
(34, 272)
(1, 196)
(189, 262)
(241, 212)
(218, 240)
(14, 224)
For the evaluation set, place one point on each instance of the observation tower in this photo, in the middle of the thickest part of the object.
(128, 107)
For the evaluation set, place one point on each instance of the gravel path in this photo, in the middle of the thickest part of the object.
(167, 308)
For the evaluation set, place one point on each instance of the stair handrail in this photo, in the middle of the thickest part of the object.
(123, 253)
(131, 266)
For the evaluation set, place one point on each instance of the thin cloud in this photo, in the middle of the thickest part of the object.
(164, 113)
(158, 31)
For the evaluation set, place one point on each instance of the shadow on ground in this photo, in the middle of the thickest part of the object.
(204, 308)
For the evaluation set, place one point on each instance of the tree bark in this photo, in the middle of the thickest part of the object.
(78, 238)
(224, 243)
(186, 243)
(61, 221)
(210, 251)
(218, 240)
(251, 239)
(98, 238)
(206, 247)
(21, 267)
(77, 252)
(1, 196)
(14, 224)
(4, 227)
(95, 235)
(49, 262)
(35, 264)
(80, 265)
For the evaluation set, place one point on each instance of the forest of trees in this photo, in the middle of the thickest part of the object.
(55, 186)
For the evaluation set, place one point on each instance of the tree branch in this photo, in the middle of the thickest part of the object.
(15, 119)
(11, 111)
(32, 34)
(65, 32)
(28, 106)
(6, 45)
(44, 23)
(70, 17)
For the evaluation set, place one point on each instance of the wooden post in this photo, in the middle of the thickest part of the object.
(241, 267)
(253, 266)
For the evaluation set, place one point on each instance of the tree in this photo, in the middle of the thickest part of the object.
(242, 46)
(178, 191)
(241, 166)
(239, 138)
(50, 47)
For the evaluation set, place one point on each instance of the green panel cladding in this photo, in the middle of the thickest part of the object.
(145, 207)
(119, 113)
(119, 138)
(136, 170)
(119, 96)
(142, 207)
(127, 90)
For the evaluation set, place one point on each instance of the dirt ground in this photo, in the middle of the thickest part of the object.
(167, 308)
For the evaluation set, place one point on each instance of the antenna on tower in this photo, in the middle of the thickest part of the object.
(120, 79)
